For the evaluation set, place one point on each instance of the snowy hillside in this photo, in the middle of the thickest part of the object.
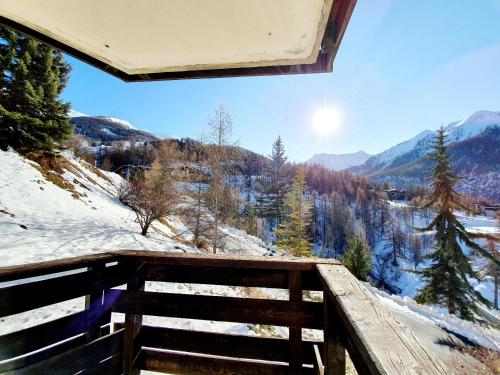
(108, 129)
(70, 209)
(338, 162)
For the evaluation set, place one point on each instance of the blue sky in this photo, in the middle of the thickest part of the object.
(403, 66)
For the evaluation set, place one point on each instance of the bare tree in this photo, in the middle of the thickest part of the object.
(221, 157)
(157, 194)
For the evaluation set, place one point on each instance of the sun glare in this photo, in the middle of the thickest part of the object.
(326, 120)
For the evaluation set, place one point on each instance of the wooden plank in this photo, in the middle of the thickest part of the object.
(319, 369)
(227, 261)
(133, 322)
(46, 352)
(19, 298)
(94, 308)
(334, 350)
(111, 366)
(251, 277)
(222, 344)
(45, 334)
(377, 343)
(53, 266)
(295, 332)
(77, 359)
(229, 309)
(188, 364)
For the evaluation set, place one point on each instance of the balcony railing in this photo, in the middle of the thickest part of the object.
(86, 342)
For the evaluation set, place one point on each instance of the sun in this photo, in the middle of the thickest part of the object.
(327, 120)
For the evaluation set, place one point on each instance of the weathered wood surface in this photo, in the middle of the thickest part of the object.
(377, 343)
(188, 364)
(334, 351)
(77, 359)
(222, 344)
(23, 297)
(227, 261)
(251, 277)
(44, 334)
(53, 266)
(295, 332)
(133, 323)
(228, 309)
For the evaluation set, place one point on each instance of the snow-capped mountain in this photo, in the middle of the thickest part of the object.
(338, 162)
(474, 148)
(108, 129)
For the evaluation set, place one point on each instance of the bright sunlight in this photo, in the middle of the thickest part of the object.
(326, 120)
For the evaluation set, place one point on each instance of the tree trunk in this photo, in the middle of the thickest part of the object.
(145, 228)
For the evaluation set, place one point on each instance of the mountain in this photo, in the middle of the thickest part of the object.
(475, 153)
(108, 129)
(338, 162)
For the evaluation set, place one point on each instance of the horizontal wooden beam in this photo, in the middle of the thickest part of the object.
(247, 277)
(189, 364)
(19, 298)
(377, 343)
(111, 366)
(225, 261)
(44, 334)
(221, 344)
(229, 309)
(77, 359)
(53, 266)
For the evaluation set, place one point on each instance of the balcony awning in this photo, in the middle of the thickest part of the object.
(141, 40)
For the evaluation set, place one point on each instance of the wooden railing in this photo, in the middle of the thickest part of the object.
(86, 342)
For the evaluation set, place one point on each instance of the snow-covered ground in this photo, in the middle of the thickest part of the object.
(41, 221)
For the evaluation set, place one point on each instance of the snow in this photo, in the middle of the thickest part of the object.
(118, 121)
(400, 149)
(73, 113)
(472, 125)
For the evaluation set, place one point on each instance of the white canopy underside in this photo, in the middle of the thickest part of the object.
(150, 36)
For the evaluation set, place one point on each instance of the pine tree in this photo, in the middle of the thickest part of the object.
(357, 259)
(447, 277)
(34, 75)
(273, 186)
(250, 218)
(292, 232)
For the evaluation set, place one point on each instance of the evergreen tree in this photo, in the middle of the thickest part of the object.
(292, 232)
(33, 77)
(250, 218)
(357, 259)
(273, 186)
(447, 277)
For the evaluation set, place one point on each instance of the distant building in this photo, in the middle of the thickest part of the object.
(395, 194)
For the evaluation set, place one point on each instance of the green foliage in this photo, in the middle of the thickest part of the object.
(274, 185)
(357, 259)
(292, 232)
(447, 277)
(33, 77)
(250, 218)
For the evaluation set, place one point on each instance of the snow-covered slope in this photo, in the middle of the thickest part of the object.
(41, 221)
(121, 122)
(338, 162)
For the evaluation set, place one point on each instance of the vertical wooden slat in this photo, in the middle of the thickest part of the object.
(94, 305)
(334, 355)
(133, 323)
(295, 333)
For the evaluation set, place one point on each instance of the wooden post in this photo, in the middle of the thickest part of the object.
(133, 323)
(334, 352)
(94, 305)
(295, 333)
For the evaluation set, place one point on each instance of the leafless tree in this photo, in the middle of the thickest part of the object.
(158, 193)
